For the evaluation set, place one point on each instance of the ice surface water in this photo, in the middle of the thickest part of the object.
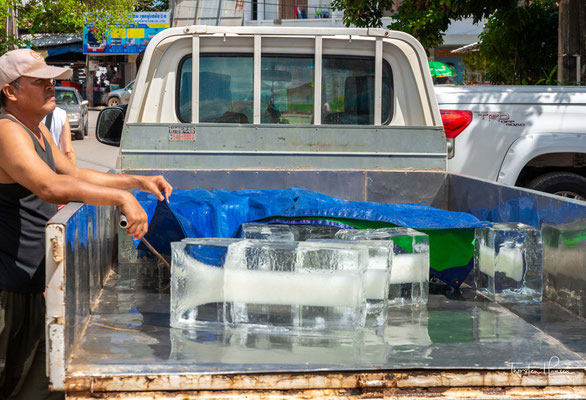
(296, 286)
(305, 232)
(409, 279)
(508, 263)
(273, 232)
(286, 232)
(377, 275)
(197, 282)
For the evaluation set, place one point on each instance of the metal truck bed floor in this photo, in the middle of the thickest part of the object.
(128, 334)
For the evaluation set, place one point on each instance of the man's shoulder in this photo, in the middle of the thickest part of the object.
(8, 125)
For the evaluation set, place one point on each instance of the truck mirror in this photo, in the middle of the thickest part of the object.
(110, 124)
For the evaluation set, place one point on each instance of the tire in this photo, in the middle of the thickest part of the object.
(79, 135)
(565, 184)
(86, 129)
(113, 101)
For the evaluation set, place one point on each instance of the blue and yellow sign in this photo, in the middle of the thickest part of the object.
(131, 39)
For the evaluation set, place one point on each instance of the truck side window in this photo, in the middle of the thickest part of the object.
(225, 89)
(348, 91)
(287, 89)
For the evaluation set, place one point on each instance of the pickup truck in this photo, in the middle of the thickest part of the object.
(350, 113)
(528, 136)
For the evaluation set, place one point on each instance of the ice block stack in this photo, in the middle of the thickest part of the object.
(409, 275)
(272, 281)
(508, 263)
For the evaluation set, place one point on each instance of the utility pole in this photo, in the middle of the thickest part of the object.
(572, 42)
(12, 25)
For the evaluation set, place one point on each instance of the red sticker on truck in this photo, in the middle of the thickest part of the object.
(182, 133)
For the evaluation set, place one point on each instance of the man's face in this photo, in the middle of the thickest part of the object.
(36, 96)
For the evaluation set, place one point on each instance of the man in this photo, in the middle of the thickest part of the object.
(34, 177)
(57, 123)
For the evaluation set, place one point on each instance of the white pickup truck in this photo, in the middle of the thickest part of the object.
(529, 136)
(345, 112)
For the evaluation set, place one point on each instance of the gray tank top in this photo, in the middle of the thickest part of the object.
(23, 217)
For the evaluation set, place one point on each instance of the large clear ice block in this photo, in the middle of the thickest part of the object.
(409, 280)
(508, 263)
(197, 282)
(272, 232)
(296, 286)
(377, 275)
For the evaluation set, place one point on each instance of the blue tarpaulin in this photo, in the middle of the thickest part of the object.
(220, 213)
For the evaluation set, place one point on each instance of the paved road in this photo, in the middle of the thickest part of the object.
(93, 154)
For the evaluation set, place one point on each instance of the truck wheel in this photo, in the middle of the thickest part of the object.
(564, 184)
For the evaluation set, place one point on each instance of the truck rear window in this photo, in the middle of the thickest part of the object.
(225, 89)
(287, 86)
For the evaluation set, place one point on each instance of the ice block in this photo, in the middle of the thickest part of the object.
(305, 232)
(197, 282)
(508, 263)
(377, 275)
(409, 280)
(272, 232)
(296, 286)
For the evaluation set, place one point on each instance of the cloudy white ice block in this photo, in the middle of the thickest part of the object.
(296, 285)
(508, 263)
(409, 280)
(273, 232)
(197, 281)
(377, 274)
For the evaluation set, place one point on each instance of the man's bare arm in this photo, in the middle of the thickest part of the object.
(66, 146)
(152, 184)
(19, 160)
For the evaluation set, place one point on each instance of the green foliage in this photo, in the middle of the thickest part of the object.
(157, 5)
(362, 13)
(424, 19)
(550, 79)
(68, 16)
(519, 46)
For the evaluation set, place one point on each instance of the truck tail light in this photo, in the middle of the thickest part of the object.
(455, 121)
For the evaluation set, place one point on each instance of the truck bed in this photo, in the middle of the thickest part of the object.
(128, 335)
(108, 322)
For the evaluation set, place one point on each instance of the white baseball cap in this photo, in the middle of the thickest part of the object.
(27, 62)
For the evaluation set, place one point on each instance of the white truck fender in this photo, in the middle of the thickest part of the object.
(527, 147)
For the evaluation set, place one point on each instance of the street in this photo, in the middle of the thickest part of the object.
(93, 154)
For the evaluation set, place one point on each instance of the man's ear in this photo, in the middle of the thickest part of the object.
(9, 92)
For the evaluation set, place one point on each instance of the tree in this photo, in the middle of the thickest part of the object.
(519, 44)
(63, 16)
(424, 19)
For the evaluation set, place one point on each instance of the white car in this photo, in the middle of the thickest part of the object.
(120, 96)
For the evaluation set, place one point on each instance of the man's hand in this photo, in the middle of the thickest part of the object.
(137, 218)
(156, 185)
